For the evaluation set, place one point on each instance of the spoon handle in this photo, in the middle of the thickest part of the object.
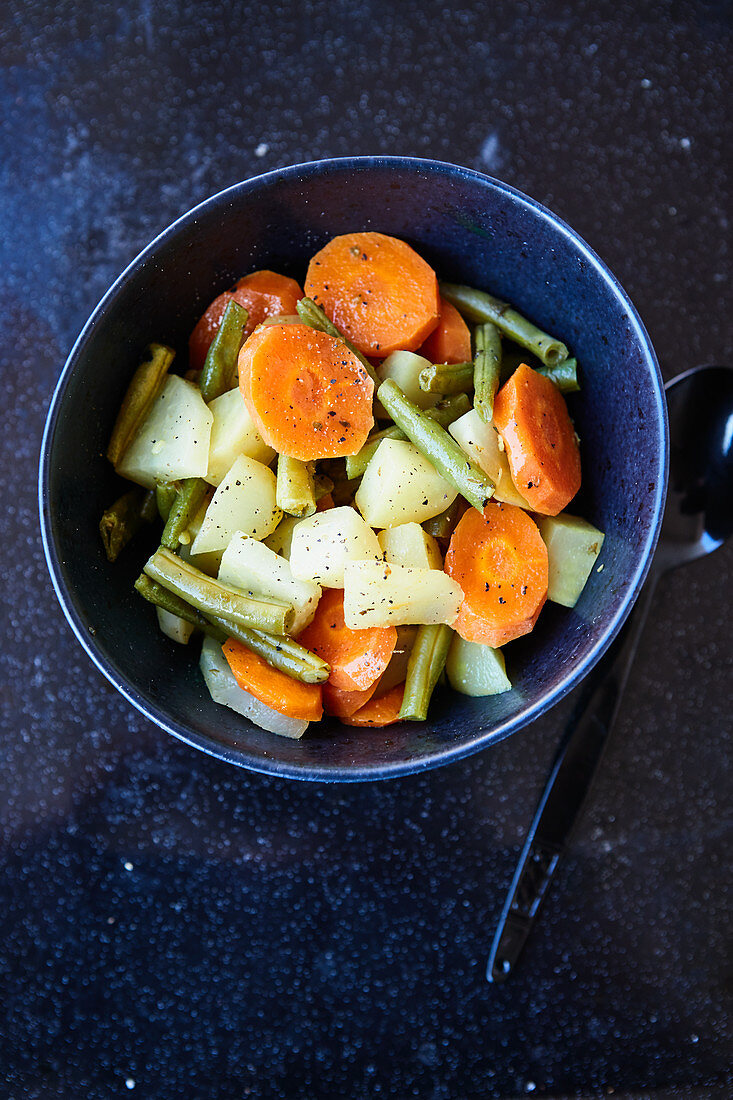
(559, 807)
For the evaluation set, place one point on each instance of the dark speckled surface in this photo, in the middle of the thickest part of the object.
(171, 926)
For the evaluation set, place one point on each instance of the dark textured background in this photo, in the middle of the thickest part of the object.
(173, 926)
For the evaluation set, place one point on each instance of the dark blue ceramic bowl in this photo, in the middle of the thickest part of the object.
(473, 229)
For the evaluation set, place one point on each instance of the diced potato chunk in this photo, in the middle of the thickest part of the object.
(256, 569)
(381, 594)
(483, 444)
(573, 546)
(174, 627)
(281, 538)
(245, 501)
(404, 367)
(225, 690)
(173, 440)
(408, 544)
(207, 562)
(475, 669)
(232, 434)
(323, 544)
(400, 486)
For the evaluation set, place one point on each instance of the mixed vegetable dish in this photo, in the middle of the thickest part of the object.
(362, 485)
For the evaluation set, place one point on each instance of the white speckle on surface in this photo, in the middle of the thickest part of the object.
(646, 82)
(128, 865)
(530, 1086)
(672, 210)
(261, 149)
(130, 1083)
(685, 142)
(490, 153)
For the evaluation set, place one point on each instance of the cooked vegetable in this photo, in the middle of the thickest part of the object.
(172, 441)
(123, 519)
(564, 375)
(442, 526)
(541, 444)
(445, 378)
(281, 539)
(573, 545)
(357, 464)
(263, 294)
(400, 485)
(225, 690)
(450, 342)
(313, 316)
(486, 370)
(384, 594)
(383, 711)
(484, 446)
(406, 369)
(440, 449)
(277, 650)
(480, 307)
(408, 544)
(188, 501)
(500, 562)
(233, 434)
(426, 663)
(323, 544)
(174, 627)
(357, 657)
(165, 494)
(213, 597)
(377, 290)
(475, 669)
(219, 372)
(244, 501)
(146, 384)
(342, 704)
(272, 687)
(296, 493)
(308, 395)
(161, 598)
(257, 570)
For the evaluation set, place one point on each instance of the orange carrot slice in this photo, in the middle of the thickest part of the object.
(500, 562)
(383, 711)
(376, 290)
(271, 686)
(342, 704)
(263, 294)
(450, 342)
(308, 395)
(357, 657)
(324, 503)
(531, 415)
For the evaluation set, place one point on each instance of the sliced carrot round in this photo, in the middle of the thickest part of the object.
(308, 395)
(383, 711)
(342, 704)
(450, 342)
(262, 293)
(357, 657)
(376, 290)
(271, 686)
(544, 459)
(500, 562)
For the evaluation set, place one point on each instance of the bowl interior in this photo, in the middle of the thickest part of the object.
(473, 230)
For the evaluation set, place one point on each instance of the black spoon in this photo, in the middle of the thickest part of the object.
(697, 519)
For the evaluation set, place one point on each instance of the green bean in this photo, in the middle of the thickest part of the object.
(165, 494)
(123, 519)
(486, 370)
(146, 384)
(211, 596)
(437, 446)
(479, 306)
(357, 464)
(295, 493)
(564, 375)
(312, 315)
(446, 378)
(427, 660)
(282, 653)
(219, 373)
(189, 499)
(161, 597)
(442, 525)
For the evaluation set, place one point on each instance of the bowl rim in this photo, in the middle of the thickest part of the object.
(482, 738)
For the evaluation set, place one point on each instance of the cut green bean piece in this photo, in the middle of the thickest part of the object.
(446, 378)
(213, 597)
(486, 370)
(156, 594)
(312, 315)
(449, 409)
(564, 375)
(480, 307)
(165, 494)
(295, 492)
(443, 525)
(189, 499)
(357, 464)
(146, 384)
(219, 373)
(427, 660)
(282, 653)
(123, 519)
(437, 446)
